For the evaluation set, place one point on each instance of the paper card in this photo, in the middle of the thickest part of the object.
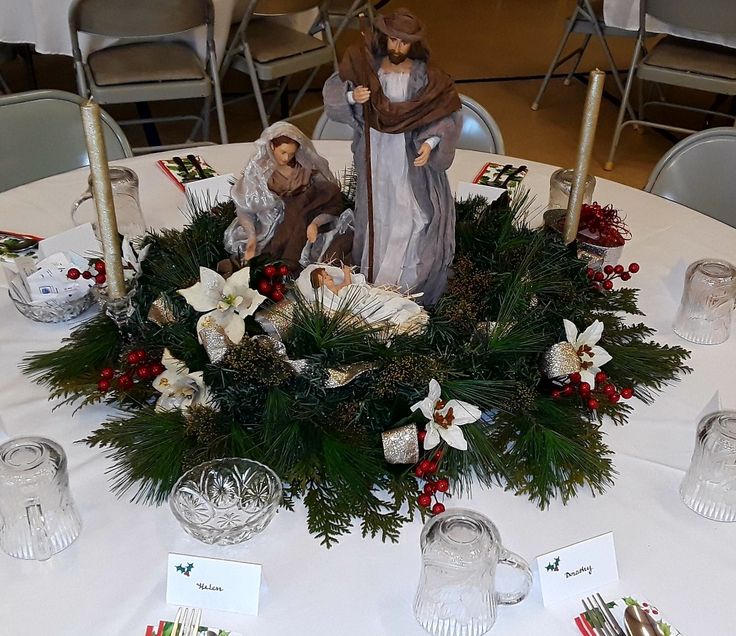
(80, 239)
(577, 568)
(212, 190)
(218, 584)
(466, 190)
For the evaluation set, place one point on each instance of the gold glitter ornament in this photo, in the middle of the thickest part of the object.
(560, 359)
(277, 319)
(341, 376)
(401, 445)
(161, 312)
(215, 342)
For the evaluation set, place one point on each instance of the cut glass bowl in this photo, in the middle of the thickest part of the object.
(226, 501)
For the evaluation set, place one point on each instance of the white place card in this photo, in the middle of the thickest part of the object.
(218, 584)
(212, 190)
(80, 239)
(466, 190)
(578, 568)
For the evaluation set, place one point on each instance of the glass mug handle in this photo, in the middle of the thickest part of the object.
(515, 561)
(42, 548)
(85, 197)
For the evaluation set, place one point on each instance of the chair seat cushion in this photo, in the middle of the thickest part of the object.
(693, 57)
(270, 41)
(145, 62)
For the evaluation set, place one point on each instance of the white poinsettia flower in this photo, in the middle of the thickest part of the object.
(179, 388)
(444, 419)
(227, 301)
(132, 255)
(592, 357)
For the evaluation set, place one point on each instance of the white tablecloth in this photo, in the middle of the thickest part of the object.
(113, 576)
(45, 23)
(624, 14)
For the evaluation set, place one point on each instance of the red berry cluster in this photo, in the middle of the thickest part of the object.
(272, 283)
(604, 389)
(139, 368)
(605, 222)
(604, 280)
(425, 469)
(96, 271)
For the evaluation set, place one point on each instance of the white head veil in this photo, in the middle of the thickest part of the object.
(251, 194)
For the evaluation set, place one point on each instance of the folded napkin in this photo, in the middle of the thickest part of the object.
(585, 622)
(165, 628)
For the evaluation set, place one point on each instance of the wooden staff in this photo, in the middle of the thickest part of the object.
(366, 31)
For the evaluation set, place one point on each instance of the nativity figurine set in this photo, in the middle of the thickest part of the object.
(396, 247)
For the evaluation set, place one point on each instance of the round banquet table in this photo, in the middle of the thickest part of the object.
(112, 579)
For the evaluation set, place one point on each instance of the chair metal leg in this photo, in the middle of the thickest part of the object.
(624, 105)
(278, 99)
(221, 122)
(256, 87)
(3, 85)
(555, 62)
(578, 57)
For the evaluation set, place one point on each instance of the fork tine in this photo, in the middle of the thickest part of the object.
(196, 617)
(608, 616)
(177, 622)
(590, 607)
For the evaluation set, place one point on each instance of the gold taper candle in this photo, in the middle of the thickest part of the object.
(585, 147)
(107, 224)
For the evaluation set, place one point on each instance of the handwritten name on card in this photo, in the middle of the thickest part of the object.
(577, 568)
(217, 584)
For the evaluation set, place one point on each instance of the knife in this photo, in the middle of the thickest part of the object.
(182, 166)
(195, 162)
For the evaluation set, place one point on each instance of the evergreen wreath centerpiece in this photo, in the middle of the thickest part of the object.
(504, 384)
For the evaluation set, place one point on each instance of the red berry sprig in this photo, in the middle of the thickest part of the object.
(139, 368)
(603, 280)
(273, 282)
(427, 469)
(592, 397)
(96, 270)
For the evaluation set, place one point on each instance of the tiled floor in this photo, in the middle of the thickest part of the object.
(497, 51)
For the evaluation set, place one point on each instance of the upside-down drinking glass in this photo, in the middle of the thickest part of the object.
(457, 590)
(37, 514)
(706, 308)
(709, 487)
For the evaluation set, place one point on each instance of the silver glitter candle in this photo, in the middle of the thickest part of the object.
(107, 224)
(587, 135)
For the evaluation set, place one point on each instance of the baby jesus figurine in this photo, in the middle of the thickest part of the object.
(286, 193)
(339, 289)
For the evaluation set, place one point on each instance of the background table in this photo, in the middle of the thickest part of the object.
(624, 14)
(113, 576)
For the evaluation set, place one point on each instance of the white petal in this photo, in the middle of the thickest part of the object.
(600, 356)
(454, 437)
(592, 334)
(571, 331)
(588, 375)
(234, 327)
(426, 406)
(435, 392)
(463, 412)
(198, 298)
(432, 438)
(238, 283)
(166, 381)
(250, 301)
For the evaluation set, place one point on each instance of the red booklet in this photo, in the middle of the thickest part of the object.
(182, 170)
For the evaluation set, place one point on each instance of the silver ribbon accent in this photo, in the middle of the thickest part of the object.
(401, 445)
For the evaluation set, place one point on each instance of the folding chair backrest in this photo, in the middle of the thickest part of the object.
(698, 172)
(710, 16)
(139, 18)
(43, 135)
(480, 131)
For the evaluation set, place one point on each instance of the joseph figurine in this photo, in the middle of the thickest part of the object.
(413, 113)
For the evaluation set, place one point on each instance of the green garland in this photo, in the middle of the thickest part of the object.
(512, 286)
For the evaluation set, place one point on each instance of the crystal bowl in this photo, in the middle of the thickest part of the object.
(226, 501)
(51, 310)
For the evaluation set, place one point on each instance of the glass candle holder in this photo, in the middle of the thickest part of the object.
(560, 185)
(706, 308)
(709, 487)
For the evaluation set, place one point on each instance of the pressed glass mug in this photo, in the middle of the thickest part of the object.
(709, 487)
(457, 590)
(706, 308)
(128, 212)
(560, 186)
(37, 513)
